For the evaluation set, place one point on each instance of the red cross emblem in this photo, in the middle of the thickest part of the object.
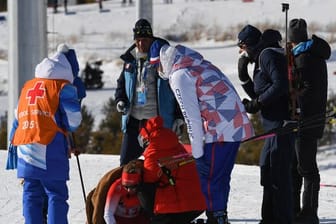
(36, 92)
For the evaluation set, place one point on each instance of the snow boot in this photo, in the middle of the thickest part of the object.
(308, 214)
(210, 218)
(199, 221)
(218, 217)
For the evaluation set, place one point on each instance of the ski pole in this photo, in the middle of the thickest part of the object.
(282, 131)
(74, 147)
(81, 178)
(328, 185)
(285, 8)
(294, 126)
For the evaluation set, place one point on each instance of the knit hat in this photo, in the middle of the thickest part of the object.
(297, 31)
(249, 35)
(142, 28)
(70, 54)
(271, 37)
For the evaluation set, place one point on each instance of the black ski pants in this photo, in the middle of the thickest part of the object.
(275, 167)
(305, 170)
(130, 148)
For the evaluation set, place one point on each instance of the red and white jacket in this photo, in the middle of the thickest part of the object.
(122, 207)
(211, 107)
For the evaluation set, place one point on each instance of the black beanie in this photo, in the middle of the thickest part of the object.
(271, 37)
(297, 31)
(249, 35)
(142, 28)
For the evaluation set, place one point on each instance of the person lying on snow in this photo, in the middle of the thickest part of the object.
(122, 205)
(178, 197)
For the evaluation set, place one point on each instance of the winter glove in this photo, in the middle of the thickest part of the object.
(248, 86)
(11, 157)
(202, 167)
(252, 106)
(242, 68)
(143, 142)
(121, 108)
(146, 195)
(73, 146)
(178, 127)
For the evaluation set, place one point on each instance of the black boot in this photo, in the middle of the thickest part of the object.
(308, 214)
(210, 218)
(221, 217)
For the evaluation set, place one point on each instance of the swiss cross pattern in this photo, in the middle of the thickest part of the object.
(36, 92)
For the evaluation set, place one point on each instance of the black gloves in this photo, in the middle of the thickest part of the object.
(244, 77)
(242, 69)
(252, 106)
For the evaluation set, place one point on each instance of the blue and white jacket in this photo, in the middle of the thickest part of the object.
(51, 161)
(167, 105)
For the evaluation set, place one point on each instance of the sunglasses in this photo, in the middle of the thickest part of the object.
(131, 187)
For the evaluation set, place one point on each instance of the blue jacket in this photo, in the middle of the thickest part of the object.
(51, 161)
(167, 106)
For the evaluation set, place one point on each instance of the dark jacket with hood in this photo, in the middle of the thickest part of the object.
(270, 77)
(311, 70)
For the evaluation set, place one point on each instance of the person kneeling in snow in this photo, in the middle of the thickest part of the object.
(178, 197)
(122, 205)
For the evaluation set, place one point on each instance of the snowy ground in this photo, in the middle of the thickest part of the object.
(105, 36)
(244, 204)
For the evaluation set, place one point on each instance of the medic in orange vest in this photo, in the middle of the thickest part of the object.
(48, 107)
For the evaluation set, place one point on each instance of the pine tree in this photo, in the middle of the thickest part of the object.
(84, 131)
(107, 139)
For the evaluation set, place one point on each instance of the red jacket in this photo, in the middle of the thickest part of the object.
(186, 194)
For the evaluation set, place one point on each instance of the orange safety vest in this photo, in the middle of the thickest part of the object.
(37, 106)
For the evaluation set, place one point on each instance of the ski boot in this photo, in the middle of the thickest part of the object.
(218, 217)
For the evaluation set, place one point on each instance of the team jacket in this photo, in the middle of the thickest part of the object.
(50, 100)
(186, 194)
(210, 104)
(126, 84)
